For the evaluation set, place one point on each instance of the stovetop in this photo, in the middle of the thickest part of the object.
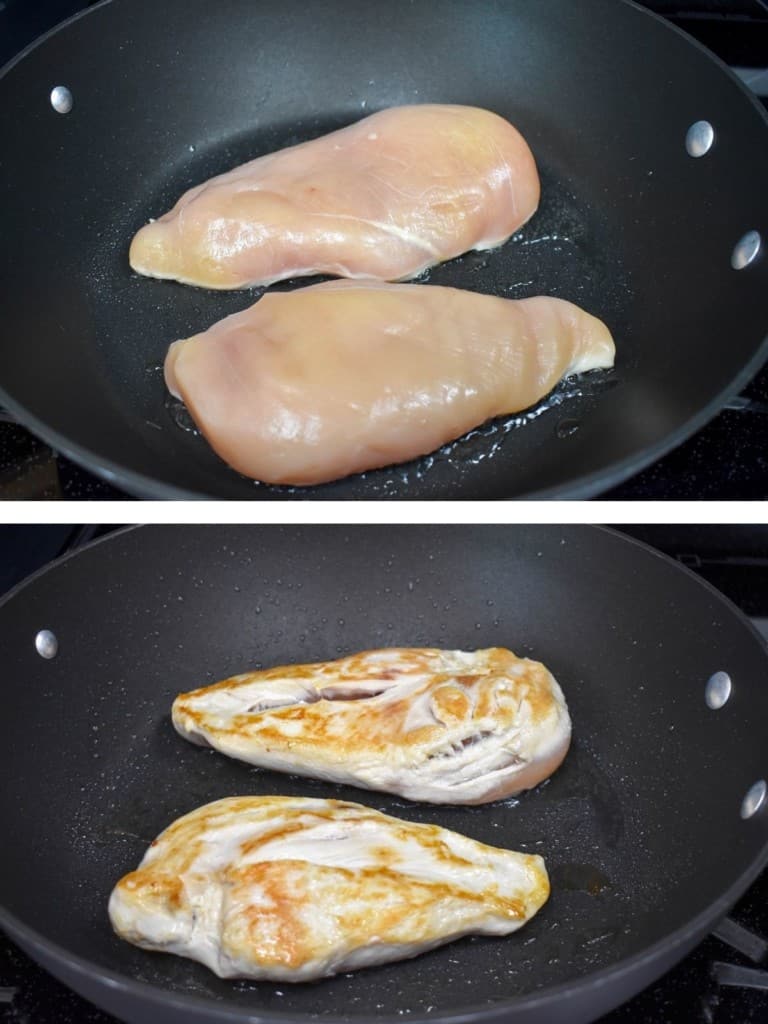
(728, 459)
(724, 981)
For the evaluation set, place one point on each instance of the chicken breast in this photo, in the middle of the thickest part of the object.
(385, 198)
(293, 889)
(312, 385)
(452, 727)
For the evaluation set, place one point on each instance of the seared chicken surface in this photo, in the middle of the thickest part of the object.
(293, 889)
(311, 385)
(440, 726)
(384, 198)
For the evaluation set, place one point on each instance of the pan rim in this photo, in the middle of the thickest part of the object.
(143, 485)
(117, 981)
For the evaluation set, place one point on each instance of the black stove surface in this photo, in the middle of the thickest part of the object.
(728, 459)
(724, 981)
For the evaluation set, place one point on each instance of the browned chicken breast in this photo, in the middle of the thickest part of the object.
(440, 726)
(293, 889)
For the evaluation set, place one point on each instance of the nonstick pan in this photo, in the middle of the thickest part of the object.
(631, 226)
(641, 828)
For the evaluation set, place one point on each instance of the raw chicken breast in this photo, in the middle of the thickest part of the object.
(450, 727)
(384, 198)
(311, 385)
(292, 889)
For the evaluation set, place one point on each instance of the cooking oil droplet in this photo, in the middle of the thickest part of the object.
(567, 428)
(592, 936)
(579, 878)
(180, 416)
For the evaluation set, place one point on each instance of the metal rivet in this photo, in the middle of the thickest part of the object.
(754, 799)
(745, 250)
(61, 99)
(46, 644)
(718, 690)
(699, 138)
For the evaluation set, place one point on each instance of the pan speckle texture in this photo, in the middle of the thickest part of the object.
(639, 828)
(630, 226)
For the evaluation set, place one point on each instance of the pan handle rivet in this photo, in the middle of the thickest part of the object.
(745, 250)
(699, 138)
(754, 799)
(718, 690)
(46, 644)
(61, 99)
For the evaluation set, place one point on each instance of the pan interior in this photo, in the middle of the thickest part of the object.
(567, 250)
(630, 226)
(640, 828)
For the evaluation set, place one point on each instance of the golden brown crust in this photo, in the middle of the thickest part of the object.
(302, 909)
(398, 708)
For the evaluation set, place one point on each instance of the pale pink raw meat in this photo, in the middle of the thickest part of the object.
(384, 198)
(310, 385)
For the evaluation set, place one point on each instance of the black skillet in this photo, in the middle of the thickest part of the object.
(641, 828)
(166, 94)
